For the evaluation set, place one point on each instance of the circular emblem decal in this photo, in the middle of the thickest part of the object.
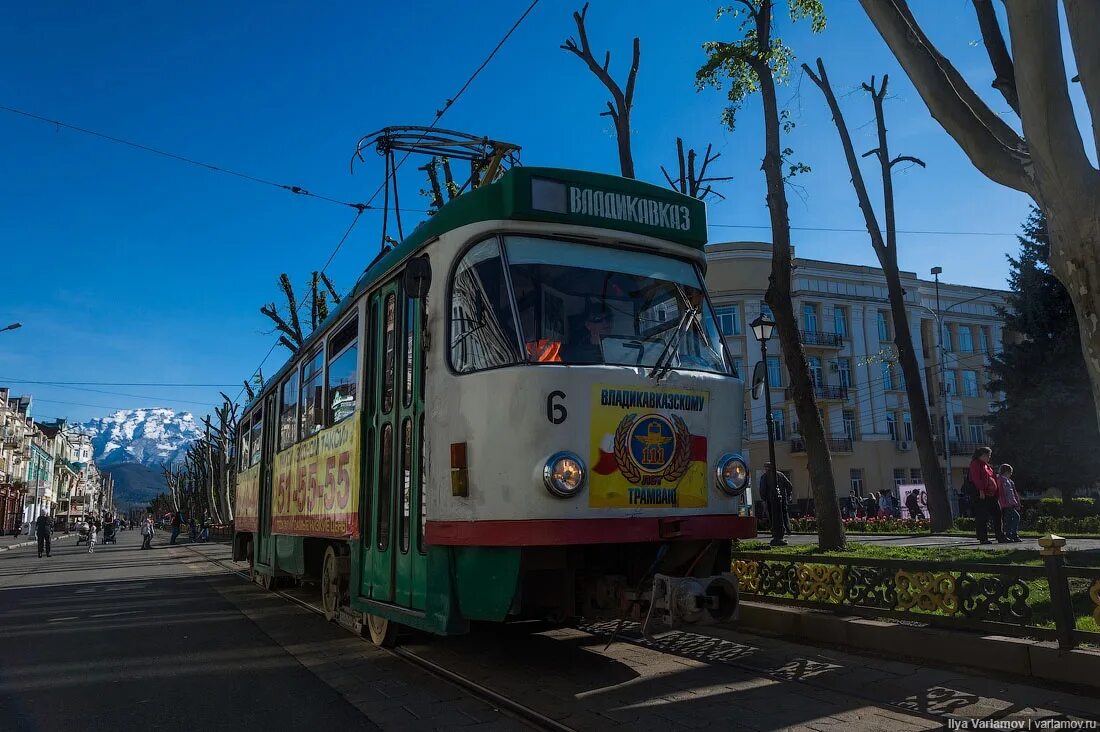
(652, 443)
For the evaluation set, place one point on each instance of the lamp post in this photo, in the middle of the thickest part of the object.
(762, 329)
(953, 500)
(12, 326)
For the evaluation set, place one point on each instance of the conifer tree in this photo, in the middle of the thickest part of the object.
(1045, 427)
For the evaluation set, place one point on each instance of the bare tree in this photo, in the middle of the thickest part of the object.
(753, 63)
(618, 109)
(691, 182)
(886, 249)
(290, 328)
(1048, 162)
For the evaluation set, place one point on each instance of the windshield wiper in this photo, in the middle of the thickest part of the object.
(664, 362)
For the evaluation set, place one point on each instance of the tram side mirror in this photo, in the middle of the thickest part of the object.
(757, 379)
(418, 277)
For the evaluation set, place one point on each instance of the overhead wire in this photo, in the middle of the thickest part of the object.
(846, 230)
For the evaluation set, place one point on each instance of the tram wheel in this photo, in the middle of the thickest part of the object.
(331, 590)
(383, 633)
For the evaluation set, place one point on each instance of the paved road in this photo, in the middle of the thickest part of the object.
(166, 639)
(964, 542)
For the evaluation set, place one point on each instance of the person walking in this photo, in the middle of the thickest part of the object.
(147, 533)
(93, 531)
(776, 499)
(912, 502)
(191, 528)
(986, 509)
(43, 528)
(177, 523)
(870, 505)
(885, 506)
(1009, 501)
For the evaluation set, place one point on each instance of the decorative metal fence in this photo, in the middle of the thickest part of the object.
(1017, 600)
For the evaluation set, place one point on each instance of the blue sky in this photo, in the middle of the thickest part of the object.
(128, 267)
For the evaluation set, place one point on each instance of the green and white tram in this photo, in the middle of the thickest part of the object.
(524, 410)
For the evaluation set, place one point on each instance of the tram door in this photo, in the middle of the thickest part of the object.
(264, 539)
(393, 560)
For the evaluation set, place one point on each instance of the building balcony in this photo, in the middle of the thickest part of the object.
(823, 392)
(836, 444)
(820, 339)
(959, 448)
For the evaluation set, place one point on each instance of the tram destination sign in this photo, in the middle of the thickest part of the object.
(619, 203)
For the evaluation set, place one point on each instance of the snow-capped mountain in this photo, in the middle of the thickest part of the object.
(146, 436)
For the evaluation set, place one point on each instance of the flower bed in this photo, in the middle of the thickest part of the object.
(877, 525)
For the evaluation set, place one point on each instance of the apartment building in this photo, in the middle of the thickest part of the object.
(847, 332)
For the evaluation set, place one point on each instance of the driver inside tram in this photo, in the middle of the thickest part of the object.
(586, 343)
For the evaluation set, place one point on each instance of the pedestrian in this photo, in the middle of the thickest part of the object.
(912, 502)
(177, 522)
(191, 528)
(885, 506)
(985, 487)
(1009, 501)
(147, 533)
(42, 531)
(93, 530)
(870, 505)
(776, 501)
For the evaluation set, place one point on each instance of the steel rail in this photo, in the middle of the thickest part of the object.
(507, 704)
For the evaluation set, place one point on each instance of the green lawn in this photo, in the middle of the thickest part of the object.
(1039, 592)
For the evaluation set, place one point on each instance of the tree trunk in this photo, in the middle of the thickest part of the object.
(830, 528)
(939, 507)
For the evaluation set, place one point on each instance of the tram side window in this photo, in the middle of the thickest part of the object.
(312, 401)
(256, 452)
(388, 354)
(483, 329)
(288, 412)
(343, 382)
(406, 483)
(385, 486)
(244, 439)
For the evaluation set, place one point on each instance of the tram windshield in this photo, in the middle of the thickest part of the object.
(582, 304)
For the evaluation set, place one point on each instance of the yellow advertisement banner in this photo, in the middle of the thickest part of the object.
(316, 484)
(648, 447)
(246, 507)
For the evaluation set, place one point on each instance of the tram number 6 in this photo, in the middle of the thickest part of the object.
(555, 410)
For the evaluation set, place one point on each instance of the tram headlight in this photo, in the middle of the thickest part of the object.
(732, 474)
(564, 474)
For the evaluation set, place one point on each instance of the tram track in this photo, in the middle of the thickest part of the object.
(528, 716)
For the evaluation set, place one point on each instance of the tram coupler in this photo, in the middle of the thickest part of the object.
(679, 601)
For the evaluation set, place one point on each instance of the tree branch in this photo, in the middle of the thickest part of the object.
(1057, 149)
(994, 147)
(1083, 17)
(999, 58)
(909, 159)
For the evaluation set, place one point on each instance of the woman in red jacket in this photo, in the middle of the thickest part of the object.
(986, 508)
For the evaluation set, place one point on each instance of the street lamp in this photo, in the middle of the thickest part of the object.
(953, 500)
(13, 326)
(762, 329)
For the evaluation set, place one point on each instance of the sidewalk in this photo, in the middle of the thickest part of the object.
(949, 540)
(14, 542)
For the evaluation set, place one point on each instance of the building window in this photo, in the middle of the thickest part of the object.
(883, 329)
(729, 319)
(855, 479)
(892, 426)
(977, 430)
(950, 383)
(946, 337)
(775, 374)
(970, 383)
(957, 427)
(844, 372)
(780, 427)
(985, 340)
(899, 478)
(887, 377)
(739, 367)
(814, 363)
(766, 311)
(809, 317)
(915, 476)
(840, 321)
(907, 426)
(966, 339)
(850, 424)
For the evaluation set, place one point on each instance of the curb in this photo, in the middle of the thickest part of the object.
(31, 543)
(994, 653)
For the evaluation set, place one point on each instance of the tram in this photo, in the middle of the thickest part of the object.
(523, 410)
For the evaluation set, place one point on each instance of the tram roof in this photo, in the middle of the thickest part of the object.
(549, 195)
